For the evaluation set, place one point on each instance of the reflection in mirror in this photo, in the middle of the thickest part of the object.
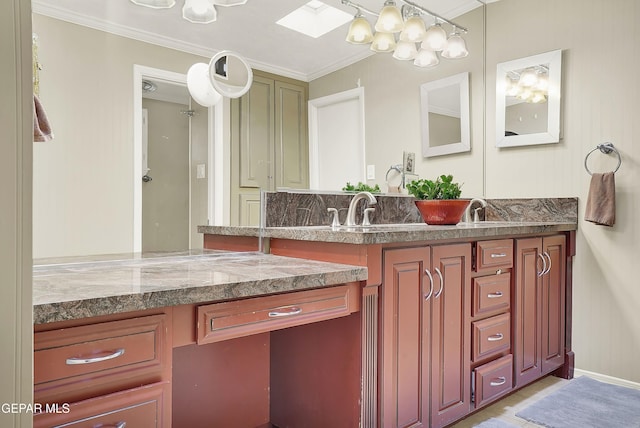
(445, 116)
(528, 100)
(230, 74)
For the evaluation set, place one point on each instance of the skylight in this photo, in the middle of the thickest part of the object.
(315, 19)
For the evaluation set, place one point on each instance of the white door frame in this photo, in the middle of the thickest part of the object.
(214, 144)
(318, 103)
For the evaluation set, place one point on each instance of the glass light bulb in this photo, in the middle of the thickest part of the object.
(456, 47)
(528, 78)
(435, 38)
(390, 19)
(405, 51)
(426, 58)
(359, 31)
(383, 42)
(414, 30)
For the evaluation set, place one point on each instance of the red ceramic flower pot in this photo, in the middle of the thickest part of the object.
(442, 211)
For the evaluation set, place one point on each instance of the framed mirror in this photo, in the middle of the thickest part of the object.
(528, 100)
(230, 74)
(445, 116)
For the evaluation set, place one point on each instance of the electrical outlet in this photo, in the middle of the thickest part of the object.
(371, 172)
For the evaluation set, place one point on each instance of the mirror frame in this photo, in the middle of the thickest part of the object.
(552, 133)
(462, 81)
(228, 90)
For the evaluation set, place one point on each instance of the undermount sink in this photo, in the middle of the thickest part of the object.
(379, 227)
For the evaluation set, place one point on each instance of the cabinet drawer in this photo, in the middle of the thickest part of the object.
(491, 336)
(494, 379)
(494, 254)
(74, 363)
(222, 321)
(143, 407)
(491, 294)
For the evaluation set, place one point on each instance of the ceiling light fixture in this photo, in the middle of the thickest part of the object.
(409, 23)
(196, 11)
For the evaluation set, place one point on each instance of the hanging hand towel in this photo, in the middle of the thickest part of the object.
(41, 126)
(601, 202)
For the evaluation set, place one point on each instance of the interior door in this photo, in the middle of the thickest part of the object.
(165, 197)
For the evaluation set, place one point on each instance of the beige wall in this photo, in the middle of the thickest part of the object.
(16, 107)
(601, 56)
(83, 179)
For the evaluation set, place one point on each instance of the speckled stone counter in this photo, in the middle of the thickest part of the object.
(384, 234)
(64, 290)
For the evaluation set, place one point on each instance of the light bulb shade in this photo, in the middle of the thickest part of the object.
(155, 4)
(199, 11)
(435, 39)
(405, 51)
(456, 47)
(383, 42)
(390, 19)
(426, 58)
(414, 30)
(359, 31)
(528, 78)
(200, 87)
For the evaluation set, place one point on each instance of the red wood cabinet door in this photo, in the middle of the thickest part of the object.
(526, 310)
(553, 303)
(404, 381)
(451, 336)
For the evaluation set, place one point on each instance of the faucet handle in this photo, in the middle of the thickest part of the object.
(365, 217)
(335, 222)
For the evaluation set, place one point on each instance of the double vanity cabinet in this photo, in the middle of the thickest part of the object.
(452, 324)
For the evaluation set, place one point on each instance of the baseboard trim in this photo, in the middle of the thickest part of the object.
(609, 379)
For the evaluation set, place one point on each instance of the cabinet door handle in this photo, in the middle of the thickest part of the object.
(549, 265)
(116, 425)
(285, 312)
(79, 360)
(498, 381)
(441, 284)
(495, 337)
(495, 295)
(428, 296)
(544, 265)
(498, 255)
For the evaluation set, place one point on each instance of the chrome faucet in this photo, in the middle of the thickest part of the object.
(467, 213)
(351, 214)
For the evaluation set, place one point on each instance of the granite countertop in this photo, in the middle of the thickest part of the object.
(383, 234)
(65, 289)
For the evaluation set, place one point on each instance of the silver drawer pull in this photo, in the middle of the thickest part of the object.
(498, 381)
(116, 425)
(495, 337)
(285, 312)
(495, 295)
(79, 360)
(498, 255)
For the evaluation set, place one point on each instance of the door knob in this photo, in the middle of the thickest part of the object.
(146, 178)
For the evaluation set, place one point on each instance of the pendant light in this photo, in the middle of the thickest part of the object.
(383, 42)
(426, 58)
(405, 51)
(414, 29)
(435, 39)
(390, 19)
(456, 46)
(359, 30)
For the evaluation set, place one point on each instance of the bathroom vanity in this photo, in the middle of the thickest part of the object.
(197, 340)
(452, 317)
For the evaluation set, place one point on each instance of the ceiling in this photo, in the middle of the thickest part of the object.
(248, 29)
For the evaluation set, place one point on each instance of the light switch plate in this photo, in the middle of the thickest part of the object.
(201, 171)
(371, 172)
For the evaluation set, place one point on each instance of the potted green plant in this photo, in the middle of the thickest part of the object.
(438, 201)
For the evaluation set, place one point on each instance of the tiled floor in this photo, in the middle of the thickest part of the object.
(507, 408)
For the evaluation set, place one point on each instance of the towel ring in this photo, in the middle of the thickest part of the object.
(605, 148)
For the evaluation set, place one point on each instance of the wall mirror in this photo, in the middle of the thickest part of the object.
(230, 74)
(528, 100)
(445, 116)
